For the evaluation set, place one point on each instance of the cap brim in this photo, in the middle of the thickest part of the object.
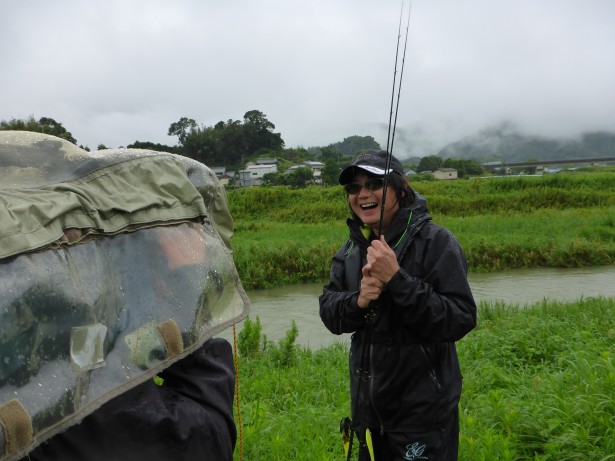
(348, 172)
(372, 169)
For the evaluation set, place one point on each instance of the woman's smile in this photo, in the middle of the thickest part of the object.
(367, 204)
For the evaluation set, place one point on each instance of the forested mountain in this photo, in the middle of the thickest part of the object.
(234, 142)
(352, 145)
(505, 145)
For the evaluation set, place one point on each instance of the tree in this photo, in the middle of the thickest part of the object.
(231, 143)
(274, 179)
(151, 146)
(329, 174)
(464, 167)
(430, 163)
(352, 145)
(296, 155)
(474, 168)
(258, 132)
(330, 153)
(227, 143)
(182, 128)
(300, 177)
(43, 125)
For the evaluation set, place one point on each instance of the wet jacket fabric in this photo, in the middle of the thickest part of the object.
(188, 417)
(405, 349)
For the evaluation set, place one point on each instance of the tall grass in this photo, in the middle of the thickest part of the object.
(539, 384)
(572, 237)
(285, 236)
(316, 204)
(290, 412)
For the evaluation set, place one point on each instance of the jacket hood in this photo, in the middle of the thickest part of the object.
(419, 204)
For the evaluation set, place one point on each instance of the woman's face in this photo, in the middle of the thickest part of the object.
(367, 204)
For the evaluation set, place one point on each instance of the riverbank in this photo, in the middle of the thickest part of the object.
(277, 307)
(286, 236)
(538, 385)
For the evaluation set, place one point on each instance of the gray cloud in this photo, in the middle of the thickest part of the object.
(123, 70)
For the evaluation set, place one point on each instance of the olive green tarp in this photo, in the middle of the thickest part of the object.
(113, 265)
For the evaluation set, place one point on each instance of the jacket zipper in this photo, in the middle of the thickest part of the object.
(432, 370)
(371, 389)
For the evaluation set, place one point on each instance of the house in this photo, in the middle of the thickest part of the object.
(266, 161)
(228, 178)
(225, 177)
(218, 171)
(445, 173)
(316, 168)
(254, 172)
(242, 179)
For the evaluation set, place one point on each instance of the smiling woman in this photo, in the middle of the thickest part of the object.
(399, 284)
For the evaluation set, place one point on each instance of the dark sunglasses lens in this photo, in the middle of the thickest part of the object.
(374, 184)
(371, 185)
(353, 188)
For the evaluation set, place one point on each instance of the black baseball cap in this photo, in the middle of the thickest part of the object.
(370, 161)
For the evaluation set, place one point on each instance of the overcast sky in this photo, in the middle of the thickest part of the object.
(117, 71)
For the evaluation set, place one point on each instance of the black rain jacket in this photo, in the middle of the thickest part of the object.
(188, 417)
(405, 350)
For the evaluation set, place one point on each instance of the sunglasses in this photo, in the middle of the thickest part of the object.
(371, 185)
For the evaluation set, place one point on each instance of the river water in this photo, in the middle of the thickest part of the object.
(277, 307)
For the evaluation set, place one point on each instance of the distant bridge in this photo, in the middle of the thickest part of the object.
(493, 165)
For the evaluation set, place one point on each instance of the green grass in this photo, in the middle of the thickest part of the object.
(316, 204)
(539, 384)
(544, 238)
(285, 236)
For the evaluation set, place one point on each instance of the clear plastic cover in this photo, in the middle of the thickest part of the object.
(92, 313)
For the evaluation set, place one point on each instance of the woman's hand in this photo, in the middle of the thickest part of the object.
(381, 260)
(370, 290)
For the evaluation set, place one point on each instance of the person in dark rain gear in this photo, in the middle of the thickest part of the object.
(187, 412)
(405, 297)
(116, 276)
(189, 416)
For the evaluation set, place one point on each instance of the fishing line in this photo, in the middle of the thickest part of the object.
(401, 13)
(237, 396)
(391, 129)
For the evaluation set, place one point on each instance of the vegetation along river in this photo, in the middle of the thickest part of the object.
(277, 307)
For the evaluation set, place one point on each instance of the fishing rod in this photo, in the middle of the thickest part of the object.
(391, 132)
(346, 426)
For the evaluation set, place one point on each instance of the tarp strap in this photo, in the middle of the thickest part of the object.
(172, 337)
(17, 426)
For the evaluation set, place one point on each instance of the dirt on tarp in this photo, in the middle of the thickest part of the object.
(113, 265)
